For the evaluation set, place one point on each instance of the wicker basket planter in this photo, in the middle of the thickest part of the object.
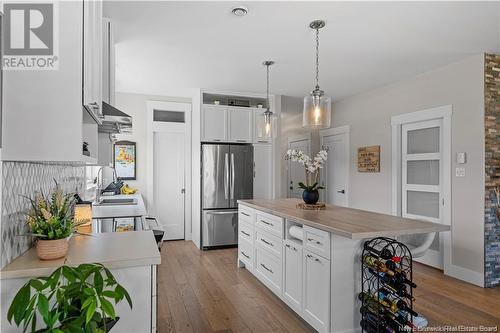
(52, 249)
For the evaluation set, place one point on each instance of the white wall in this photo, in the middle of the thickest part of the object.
(368, 114)
(291, 126)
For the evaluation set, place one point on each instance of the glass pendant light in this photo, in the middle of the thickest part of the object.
(266, 130)
(317, 107)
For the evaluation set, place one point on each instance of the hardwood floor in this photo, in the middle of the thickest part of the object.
(205, 292)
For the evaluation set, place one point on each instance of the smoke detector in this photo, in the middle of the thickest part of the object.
(239, 10)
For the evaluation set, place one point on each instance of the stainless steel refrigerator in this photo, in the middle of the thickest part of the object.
(227, 176)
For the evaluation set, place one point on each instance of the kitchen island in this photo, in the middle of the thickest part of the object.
(311, 259)
(132, 256)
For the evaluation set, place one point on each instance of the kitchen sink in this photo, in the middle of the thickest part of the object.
(117, 201)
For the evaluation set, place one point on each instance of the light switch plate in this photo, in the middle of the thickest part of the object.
(461, 158)
(459, 172)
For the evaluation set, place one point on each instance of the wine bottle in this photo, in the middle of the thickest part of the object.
(401, 291)
(385, 253)
(401, 278)
(373, 262)
(400, 317)
(393, 281)
(393, 305)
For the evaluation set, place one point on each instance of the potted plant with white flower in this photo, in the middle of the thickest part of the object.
(312, 167)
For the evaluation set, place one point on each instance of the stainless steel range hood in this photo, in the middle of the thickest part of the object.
(114, 120)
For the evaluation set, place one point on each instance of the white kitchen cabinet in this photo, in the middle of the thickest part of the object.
(42, 109)
(263, 172)
(92, 56)
(292, 275)
(258, 120)
(240, 122)
(214, 124)
(316, 291)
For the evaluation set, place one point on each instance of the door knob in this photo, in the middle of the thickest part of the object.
(341, 191)
(183, 190)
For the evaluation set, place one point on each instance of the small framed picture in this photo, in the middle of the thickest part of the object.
(124, 160)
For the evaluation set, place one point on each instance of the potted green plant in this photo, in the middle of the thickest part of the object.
(71, 299)
(310, 195)
(51, 221)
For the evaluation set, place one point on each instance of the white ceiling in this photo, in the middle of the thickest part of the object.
(169, 46)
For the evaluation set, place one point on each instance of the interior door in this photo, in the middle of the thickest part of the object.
(296, 171)
(422, 174)
(334, 173)
(169, 178)
(241, 173)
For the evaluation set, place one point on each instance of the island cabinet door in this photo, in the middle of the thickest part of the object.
(292, 277)
(316, 292)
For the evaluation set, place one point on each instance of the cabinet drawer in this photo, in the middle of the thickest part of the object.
(245, 231)
(245, 252)
(268, 269)
(269, 242)
(246, 214)
(271, 223)
(317, 241)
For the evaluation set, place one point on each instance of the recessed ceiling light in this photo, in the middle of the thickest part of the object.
(239, 10)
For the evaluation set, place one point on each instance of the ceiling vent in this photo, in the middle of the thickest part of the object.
(239, 11)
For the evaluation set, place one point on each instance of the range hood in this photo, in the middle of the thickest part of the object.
(114, 120)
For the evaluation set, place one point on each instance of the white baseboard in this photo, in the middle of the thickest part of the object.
(465, 274)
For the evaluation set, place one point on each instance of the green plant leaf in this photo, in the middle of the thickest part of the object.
(109, 294)
(43, 308)
(88, 291)
(36, 284)
(107, 307)
(124, 293)
(90, 311)
(98, 282)
(19, 305)
(68, 273)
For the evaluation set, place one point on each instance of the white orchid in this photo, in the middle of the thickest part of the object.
(312, 166)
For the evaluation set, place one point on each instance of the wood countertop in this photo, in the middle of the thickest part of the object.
(346, 222)
(113, 249)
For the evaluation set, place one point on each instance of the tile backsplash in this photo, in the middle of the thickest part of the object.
(20, 179)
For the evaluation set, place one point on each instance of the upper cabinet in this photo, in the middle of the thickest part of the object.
(214, 124)
(43, 118)
(92, 58)
(108, 62)
(240, 122)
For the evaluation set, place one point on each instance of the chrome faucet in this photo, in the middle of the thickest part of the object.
(99, 183)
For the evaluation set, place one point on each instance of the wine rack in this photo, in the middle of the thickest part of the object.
(386, 287)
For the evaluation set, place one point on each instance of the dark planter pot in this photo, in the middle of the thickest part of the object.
(310, 197)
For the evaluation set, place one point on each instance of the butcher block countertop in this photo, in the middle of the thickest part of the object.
(345, 222)
(112, 249)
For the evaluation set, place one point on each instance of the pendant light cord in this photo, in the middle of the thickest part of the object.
(267, 89)
(317, 58)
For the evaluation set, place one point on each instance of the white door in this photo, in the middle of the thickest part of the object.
(316, 276)
(169, 181)
(263, 172)
(422, 177)
(334, 174)
(296, 172)
(214, 124)
(240, 122)
(292, 277)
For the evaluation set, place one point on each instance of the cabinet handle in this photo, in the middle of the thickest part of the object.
(244, 233)
(313, 240)
(261, 141)
(265, 222)
(241, 140)
(243, 253)
(268, 243)
(288, 246)
(243, 213)
(267, 269)
(291, 247)
(216, 140)
(312, 257)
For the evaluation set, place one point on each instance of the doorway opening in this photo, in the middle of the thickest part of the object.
(295, 172)
(168, 159)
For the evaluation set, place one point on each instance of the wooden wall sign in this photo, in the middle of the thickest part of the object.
(369, 159)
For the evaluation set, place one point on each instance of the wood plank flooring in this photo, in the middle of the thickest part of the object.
(205, 292)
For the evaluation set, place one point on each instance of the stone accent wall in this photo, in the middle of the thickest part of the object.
(492, 170)
(20, 179)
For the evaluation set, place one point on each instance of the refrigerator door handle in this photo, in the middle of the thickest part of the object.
(226, 175)
(226, 212)
(232, 176)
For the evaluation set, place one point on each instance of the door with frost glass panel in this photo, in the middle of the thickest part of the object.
(422, 176)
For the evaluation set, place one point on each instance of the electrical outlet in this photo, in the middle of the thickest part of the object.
(459, 172)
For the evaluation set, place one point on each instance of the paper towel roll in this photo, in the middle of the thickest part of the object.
(296, 232)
